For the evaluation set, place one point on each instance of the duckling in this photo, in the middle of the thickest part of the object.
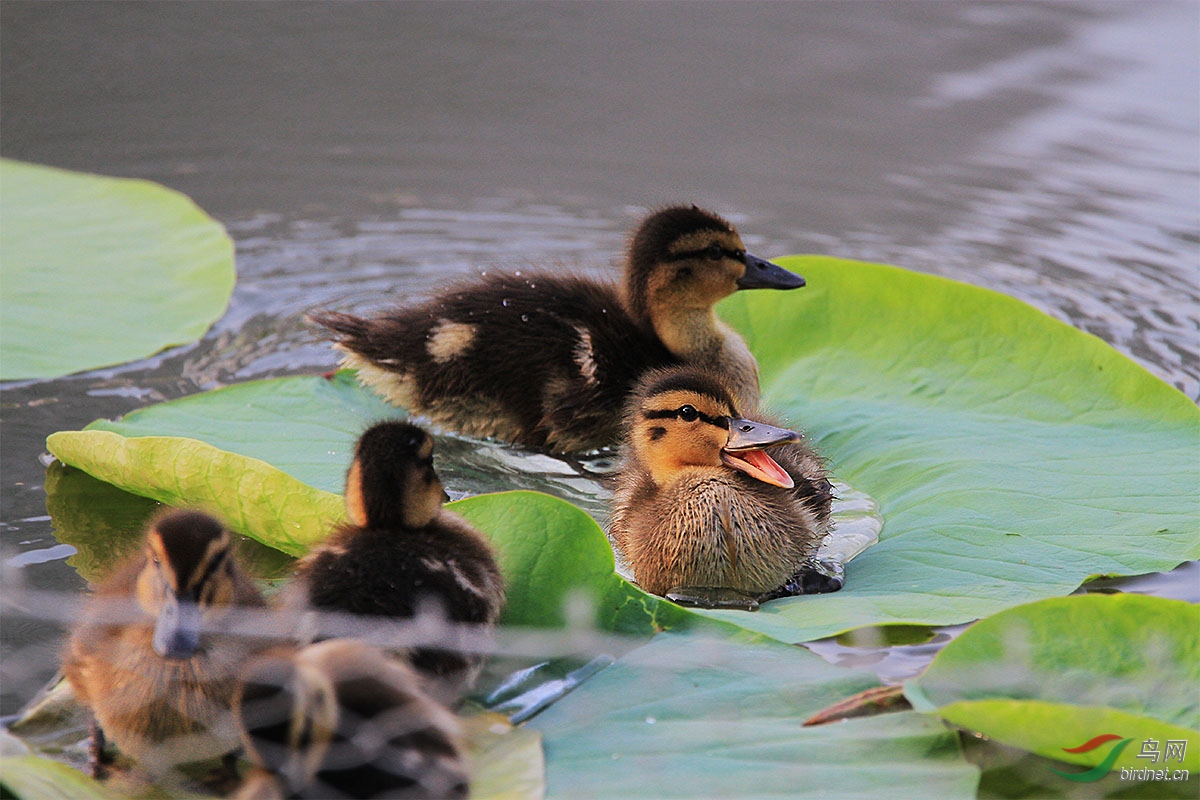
(402, 552)
(340, 719)
(547, 361)
(146, 657)
(702, 512)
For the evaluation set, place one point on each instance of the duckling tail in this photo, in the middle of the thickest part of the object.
(346, 325)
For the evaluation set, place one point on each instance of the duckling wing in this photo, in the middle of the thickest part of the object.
(543, 361)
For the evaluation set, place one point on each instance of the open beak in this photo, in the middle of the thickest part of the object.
(762, 274)
(177, 631)
(746, 451)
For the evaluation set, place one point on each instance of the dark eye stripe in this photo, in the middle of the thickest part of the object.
(736, 255)
(211, 567)
(673, 413)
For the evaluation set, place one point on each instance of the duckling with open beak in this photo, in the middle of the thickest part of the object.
(712, 508)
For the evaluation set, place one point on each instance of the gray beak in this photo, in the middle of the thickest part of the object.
(762, 274)
(177, 631)
(746, 434)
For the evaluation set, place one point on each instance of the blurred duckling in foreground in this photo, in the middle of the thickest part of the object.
(547, 361)
(155, 656)
(340, 719)
(702, 512)
(402, 553)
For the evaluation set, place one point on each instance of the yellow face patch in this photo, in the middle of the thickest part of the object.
(670, 434)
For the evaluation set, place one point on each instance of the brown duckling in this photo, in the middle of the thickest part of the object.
(702, 512)
(154, 657)
(547, 361)
(341, 719)
(402, 552)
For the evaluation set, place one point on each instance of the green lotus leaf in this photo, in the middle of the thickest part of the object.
(1053, 675)
(507, 762)
(553, 554)
(1012, 456)
(99, 271)
(31, 777)
(105, 524)
(251, 496)
(691, 715)
(305, 426)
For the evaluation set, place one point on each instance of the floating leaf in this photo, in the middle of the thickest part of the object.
(34, 778)
(105, 524)
(507, 762)
(306, 427)
(250, 496)
(1013, 457)
(689, 716)
(552, 553)
(1052, 676)
(98, 271)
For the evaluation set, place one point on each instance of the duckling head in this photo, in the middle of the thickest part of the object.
(391, 482)
(188, 574)
(685, 259)
(684, 418)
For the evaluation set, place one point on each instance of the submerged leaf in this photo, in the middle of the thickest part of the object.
(98, 271)
(1051, 676)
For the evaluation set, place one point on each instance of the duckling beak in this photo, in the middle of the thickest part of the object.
(746, 451)
(762, 274)
(177, 631)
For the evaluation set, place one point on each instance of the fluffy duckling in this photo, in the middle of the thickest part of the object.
(548, 361)
(402, 553)
(340, 719)
(702, 512)
(147, 658)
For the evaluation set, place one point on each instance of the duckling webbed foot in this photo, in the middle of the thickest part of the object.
(817, 576)
(97, 759)
(711, 597)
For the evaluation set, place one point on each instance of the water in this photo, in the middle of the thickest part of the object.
(360, 154)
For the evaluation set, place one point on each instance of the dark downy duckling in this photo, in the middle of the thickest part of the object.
(155, 658)
(702, 512)
(548, 361)
(340, 719)
(402, 552)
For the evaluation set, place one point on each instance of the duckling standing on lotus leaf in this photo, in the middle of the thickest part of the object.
(340, 719)
(155, 656)
(401, 552)
(547, 361)
(702, 513)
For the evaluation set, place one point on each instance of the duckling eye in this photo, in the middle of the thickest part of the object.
(688, 413)
(714, 252)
